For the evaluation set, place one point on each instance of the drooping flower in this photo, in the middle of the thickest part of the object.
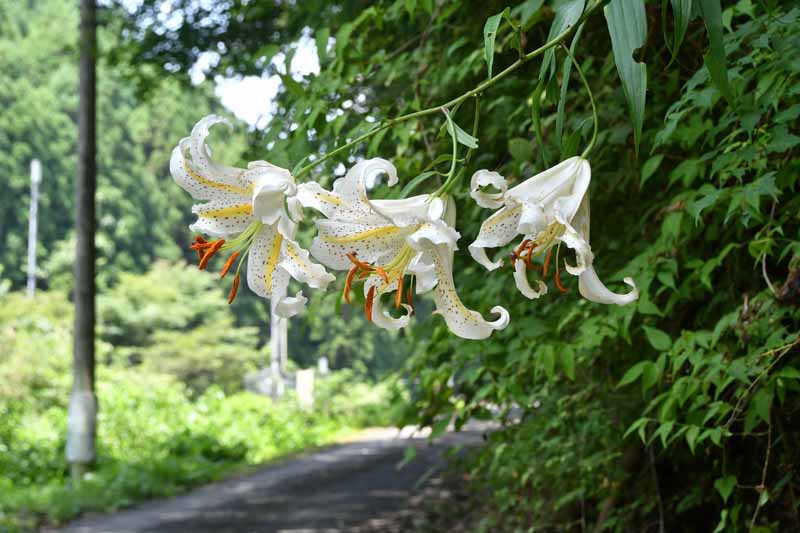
(248, 211)
(392, 245)
(548, 209)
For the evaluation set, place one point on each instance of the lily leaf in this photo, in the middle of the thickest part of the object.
(682, 14)
(627, 25)
(567, 14)
(489, 36)
(414, 183)
(711, 11)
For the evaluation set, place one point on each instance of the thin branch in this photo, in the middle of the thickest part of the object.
(762, 487)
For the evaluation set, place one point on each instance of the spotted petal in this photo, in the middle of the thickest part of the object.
(224, 216)
(497, 230)
(437, 240)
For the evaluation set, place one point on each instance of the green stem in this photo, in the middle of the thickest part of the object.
(591, 101)
(453, 178)
(455, 101)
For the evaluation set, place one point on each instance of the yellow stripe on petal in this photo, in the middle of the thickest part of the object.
(232, 211)
(366, 234)
(272, 260)
(216, 185)
(501, 216)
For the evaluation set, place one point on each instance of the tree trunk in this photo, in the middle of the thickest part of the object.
(82, 421)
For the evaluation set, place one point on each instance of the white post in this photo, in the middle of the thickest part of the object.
(275, 346)
(36, 179)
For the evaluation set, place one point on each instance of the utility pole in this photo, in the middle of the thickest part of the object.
(82, 421)
(36, 179)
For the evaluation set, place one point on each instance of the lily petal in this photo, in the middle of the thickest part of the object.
(497, 230)
(370, 242)
(533, 219)
(592, 289)
(380, 317)
(352, 188)
(271, 186)
(223, 217)
(201, 154)
(521, 279)
(200, 186)
(561, 187)
(290, 306)
(264, 277)
(483, 178)
(296, 261)
(422, 267)
(437, 240)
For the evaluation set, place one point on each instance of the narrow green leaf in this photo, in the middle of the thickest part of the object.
(414, 183)
(489, 36)
(691, 437)
(536, 118)
(657, 339)
(711, 11)
(649, 168)
(636, 426)
(562, 99)
(567, 360)
(761, 404)
(567, 13)
(632, 374)
(322, 37)
(343, 38)
(627, 25)
(548, 362)
(650, 376)
(682, 14)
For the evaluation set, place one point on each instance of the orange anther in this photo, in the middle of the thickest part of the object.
(234, 288)
(398, 297)
(547, 262)
(382, 273)
(214, 248)
(370, 302)
(228, 264)
(558, 281)
(361, 264)
(408, 299)
(349, 281)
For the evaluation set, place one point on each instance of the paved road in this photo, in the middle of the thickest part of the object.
(345, 487)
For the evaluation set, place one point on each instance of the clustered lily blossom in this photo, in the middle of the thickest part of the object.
(247, 211)
(399, 247)
(547, 209)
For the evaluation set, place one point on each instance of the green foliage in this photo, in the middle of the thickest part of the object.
(149, 322)
(157, 437)
(625, 414)
(140, 214)
(678, 410)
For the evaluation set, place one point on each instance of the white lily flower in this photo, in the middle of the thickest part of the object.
(383, 241)
(550, 208)
(248, 210)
